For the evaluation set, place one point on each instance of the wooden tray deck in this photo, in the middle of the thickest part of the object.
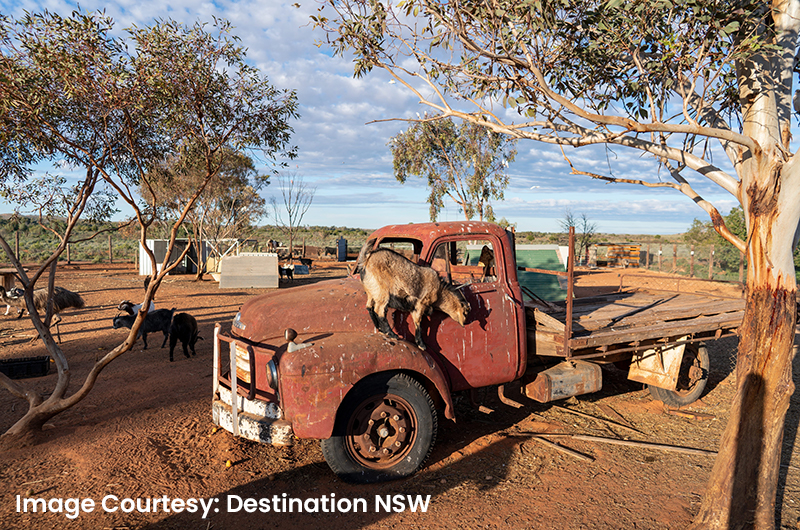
(630, 317)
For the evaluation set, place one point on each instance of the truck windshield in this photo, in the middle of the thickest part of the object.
(465, 261)
(410, 248)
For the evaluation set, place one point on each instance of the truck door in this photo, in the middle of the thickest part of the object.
(486, 350)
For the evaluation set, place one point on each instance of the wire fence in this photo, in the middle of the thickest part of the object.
(105, 248)
(695, 261)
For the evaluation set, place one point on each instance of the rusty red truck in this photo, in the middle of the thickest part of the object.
(307, 362)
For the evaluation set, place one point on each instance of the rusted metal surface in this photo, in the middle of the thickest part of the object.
(254, 420)
(501, 395)
(566, 379)
(314, 380)
(308, 373)
(341, 346)
(490, 348)
(658, 366)
(570, 292)
(390, 431)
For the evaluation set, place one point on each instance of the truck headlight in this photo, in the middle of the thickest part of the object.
(237, 322)
(272, 374)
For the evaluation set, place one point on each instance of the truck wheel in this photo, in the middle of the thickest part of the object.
(692, 378)
(385, 429)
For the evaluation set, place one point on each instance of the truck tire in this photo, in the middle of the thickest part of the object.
(385, 429)
(692, 378)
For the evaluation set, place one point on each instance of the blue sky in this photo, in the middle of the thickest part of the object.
(348, 160)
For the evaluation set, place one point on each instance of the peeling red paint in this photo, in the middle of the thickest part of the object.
(343, 346)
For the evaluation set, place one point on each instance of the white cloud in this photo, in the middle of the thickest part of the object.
(346, 156)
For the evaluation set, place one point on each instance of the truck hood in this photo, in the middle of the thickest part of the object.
(324, 307)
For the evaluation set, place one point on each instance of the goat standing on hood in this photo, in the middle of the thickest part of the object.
(391, 280)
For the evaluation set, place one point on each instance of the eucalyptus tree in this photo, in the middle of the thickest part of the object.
(674, 79)
(463, 161)
(111, 108)
(229, 207)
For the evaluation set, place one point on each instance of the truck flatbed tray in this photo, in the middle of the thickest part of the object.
(625, 318)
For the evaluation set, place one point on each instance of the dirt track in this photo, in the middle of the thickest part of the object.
(145, 432)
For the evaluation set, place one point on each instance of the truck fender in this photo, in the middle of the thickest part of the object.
(315, 379)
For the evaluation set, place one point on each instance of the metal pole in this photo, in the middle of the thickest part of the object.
(660, 249)
(711, 264)
(570, 282)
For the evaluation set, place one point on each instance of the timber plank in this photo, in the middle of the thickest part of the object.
(660, 330)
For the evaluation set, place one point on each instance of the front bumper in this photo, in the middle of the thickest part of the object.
(254, 419)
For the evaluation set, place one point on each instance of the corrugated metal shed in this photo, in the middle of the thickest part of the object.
(159, 249)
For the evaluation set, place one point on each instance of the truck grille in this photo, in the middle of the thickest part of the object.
(242, 363)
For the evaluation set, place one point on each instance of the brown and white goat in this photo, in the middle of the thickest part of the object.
(391, 280)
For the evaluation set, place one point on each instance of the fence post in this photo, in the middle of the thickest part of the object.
(69, 253)
(711, 264)
(16, 245)
(659, 257)
(674, 256)
(110, 250)
(691, 262)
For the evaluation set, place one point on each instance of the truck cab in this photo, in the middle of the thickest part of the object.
(308, 361)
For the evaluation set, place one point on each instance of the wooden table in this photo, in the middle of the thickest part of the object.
(9, 278)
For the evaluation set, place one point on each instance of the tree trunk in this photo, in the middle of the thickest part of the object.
(201, 263)
(27, 429)
(742, 488)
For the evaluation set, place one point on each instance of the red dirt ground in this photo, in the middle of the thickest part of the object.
(145, 432)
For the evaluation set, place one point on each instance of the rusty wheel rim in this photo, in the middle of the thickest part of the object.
(381, 431)
(690, 374)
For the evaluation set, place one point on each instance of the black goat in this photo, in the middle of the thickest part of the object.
(131, 308)
(158, 320)
(286, 270)
(184, 329)
(62, 299)
(391, 280)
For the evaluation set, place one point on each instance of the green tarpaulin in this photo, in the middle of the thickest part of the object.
(547, 287)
